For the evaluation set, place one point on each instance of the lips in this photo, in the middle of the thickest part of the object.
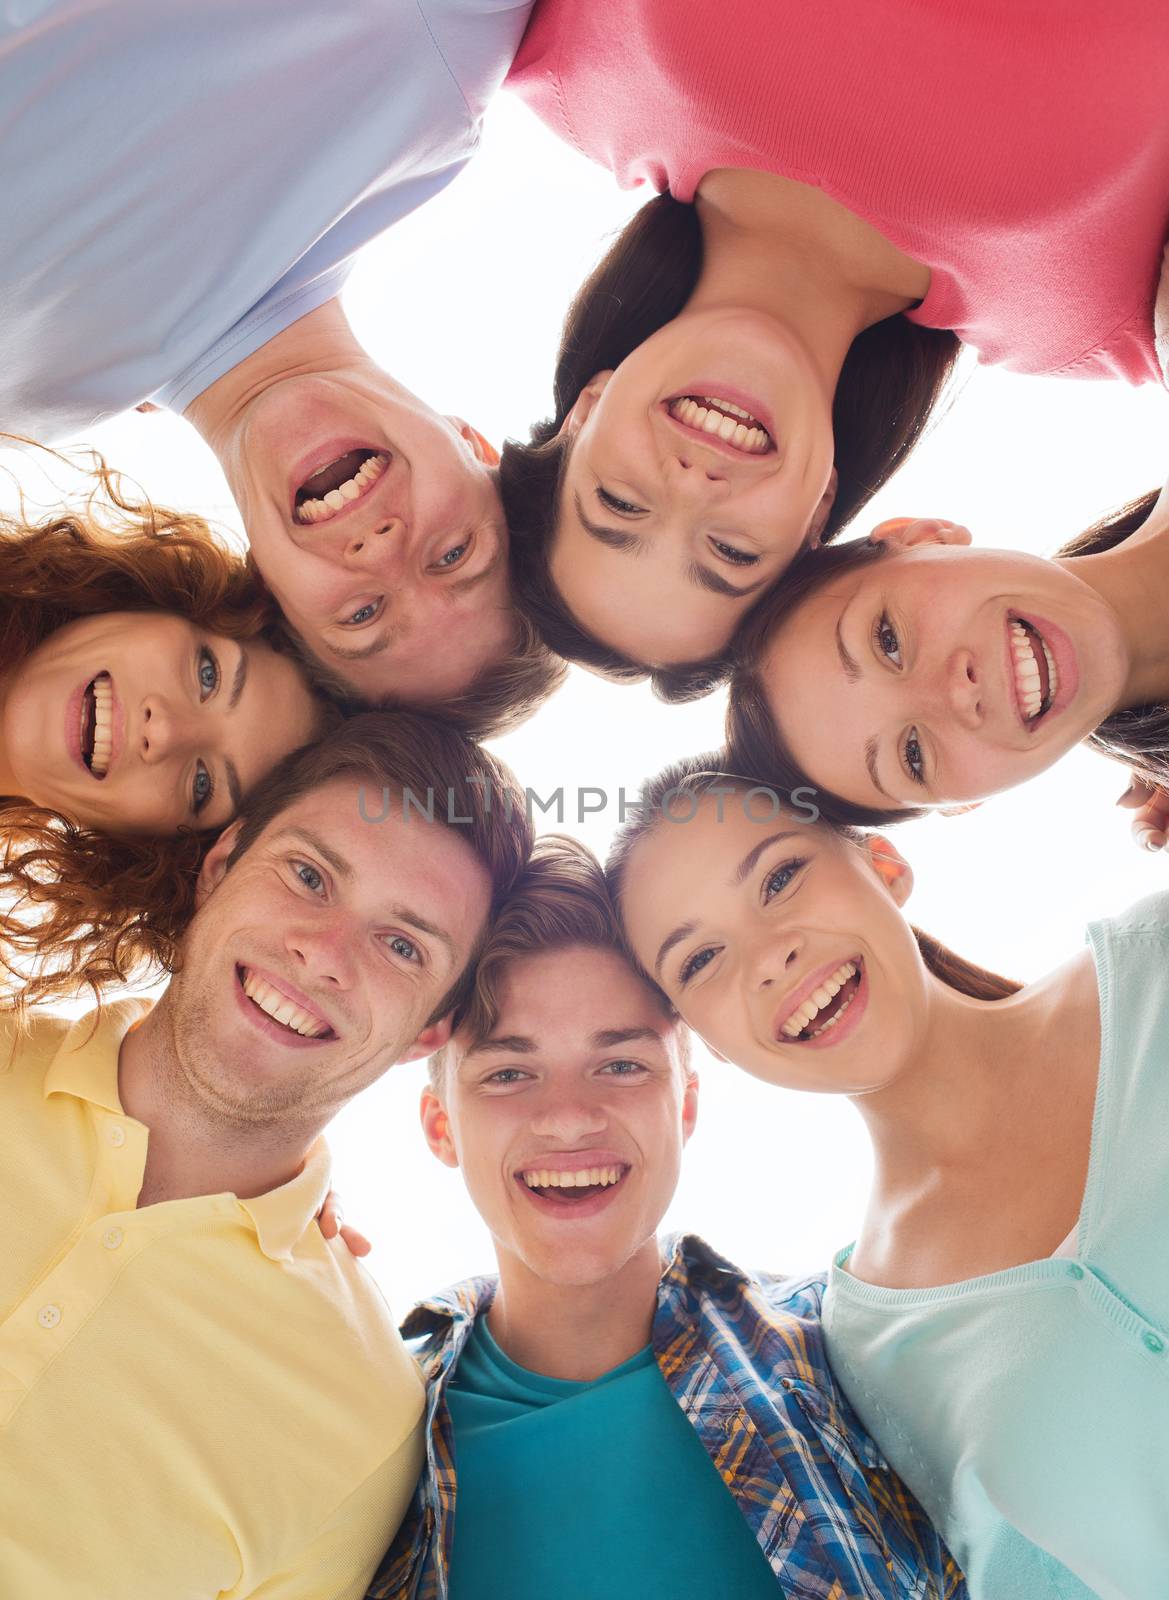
(94, 725)
(1034, 673)
(338, 484)
(824, 1007)
(576, 1183)
(724, 420)
(280, 1008)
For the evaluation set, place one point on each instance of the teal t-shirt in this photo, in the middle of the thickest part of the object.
(577, 1490)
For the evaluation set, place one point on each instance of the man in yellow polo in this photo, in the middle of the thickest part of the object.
(200, 1397)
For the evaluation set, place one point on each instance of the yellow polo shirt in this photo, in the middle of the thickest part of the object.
(199, 1399)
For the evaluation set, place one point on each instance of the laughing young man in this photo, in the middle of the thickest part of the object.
(200, 1397)
(610, 1416)
(186, 186)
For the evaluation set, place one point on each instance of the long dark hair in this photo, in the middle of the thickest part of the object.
(891, 380)
(697, 775)
(1138, 736)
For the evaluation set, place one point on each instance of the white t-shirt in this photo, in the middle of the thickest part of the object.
(183, 180)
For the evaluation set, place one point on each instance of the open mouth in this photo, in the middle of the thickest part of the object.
(97, 724)
(825, 1006)
(278, 1008)
(571, 1188)
(338, 484)
(1036, 677)
(724, 420)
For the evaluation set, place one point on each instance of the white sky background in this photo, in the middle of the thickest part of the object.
(463, 302)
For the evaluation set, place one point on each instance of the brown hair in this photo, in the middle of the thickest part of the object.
(560, 900)
(1138, 736)
(79, 906)
(892, 378)
(698, 775)
(446, 776)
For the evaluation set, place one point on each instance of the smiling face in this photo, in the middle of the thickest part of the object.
(782, 947)
(378, 527)
(144, 723)
(318, 958)
(581, 1077)
(699, 470)
(940, 673)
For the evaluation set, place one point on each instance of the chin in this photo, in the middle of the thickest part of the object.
(576, 1269)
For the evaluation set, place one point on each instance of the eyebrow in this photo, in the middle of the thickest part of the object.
(871, 765)
(608, 1037)
(852, 670)
(630, 544)
(747, 865)
(683, 931)
(241, 677)
(362, 652)
(615, 538)
(420, 925)
(513, 1043)
(234, 788)
(339, 865)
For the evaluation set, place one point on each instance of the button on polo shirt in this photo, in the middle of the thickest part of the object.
(199, 1400)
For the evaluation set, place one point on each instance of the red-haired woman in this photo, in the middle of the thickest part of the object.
(141, 697)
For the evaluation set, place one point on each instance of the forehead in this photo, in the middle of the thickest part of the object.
(578, 992)
(371, 841)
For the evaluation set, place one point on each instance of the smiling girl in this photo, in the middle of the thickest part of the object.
(912, 670)
(1002, 1322)
(845, 194)
(139, 702)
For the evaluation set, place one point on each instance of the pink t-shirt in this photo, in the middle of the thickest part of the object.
(1018, 148)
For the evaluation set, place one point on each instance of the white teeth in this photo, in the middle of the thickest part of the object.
(545, 1178)
(745, 434)
(280, 1008)
(103, 725)
(1028, 680)
(336, 499)
(805, 1014)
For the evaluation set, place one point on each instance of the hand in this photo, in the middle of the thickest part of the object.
(1150, 826)
(331, 1222)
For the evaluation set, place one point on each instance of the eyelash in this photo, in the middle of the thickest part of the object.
(913, 764)
(639, 1066)
(303, 868)
(358, 620)
(203, 787)
(400, 938)
(915, 767)
(695, 963)
(458, 551)
(737, 558)
(624, 508)
(884, 628)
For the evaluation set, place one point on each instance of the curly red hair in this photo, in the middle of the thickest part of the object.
(80, 908)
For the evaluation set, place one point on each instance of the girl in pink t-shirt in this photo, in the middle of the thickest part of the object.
(847, 194)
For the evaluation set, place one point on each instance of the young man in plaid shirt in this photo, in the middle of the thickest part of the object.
(614, 1415)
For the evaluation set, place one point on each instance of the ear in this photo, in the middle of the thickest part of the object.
(891, 867)
(436, 1126)
(482, 449)
(584, 403)
(822, 512)
(960, 811)
(432, 1038)
(904, 533)
(689, 1106)
(215, 862)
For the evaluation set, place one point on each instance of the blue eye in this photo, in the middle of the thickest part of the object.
(885, 635)
(776, 882)
(208, 672)
(406, 948)
(624, 508)
(364, 613)
(506, 1075)
(695, 963)
(309, 876)
(201, 789)
(914, 760)
(623, 1069)
(452, 557)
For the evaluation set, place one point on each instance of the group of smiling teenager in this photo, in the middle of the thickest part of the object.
(200, 1393)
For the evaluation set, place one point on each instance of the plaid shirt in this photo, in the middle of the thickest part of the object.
(743, 1356)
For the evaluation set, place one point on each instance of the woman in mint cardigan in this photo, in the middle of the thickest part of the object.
(1002, 1322)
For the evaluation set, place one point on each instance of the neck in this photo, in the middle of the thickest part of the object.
(320, 342)
(1133, 579)
(192, 1149)
(577, 1331)
(787, 249)
(945, 1109)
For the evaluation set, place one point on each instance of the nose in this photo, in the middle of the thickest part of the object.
(569, 1118)
(694, 480)
(962, 690)
(772, 958)
(163, 731)
(370, 548)
(322, 949)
